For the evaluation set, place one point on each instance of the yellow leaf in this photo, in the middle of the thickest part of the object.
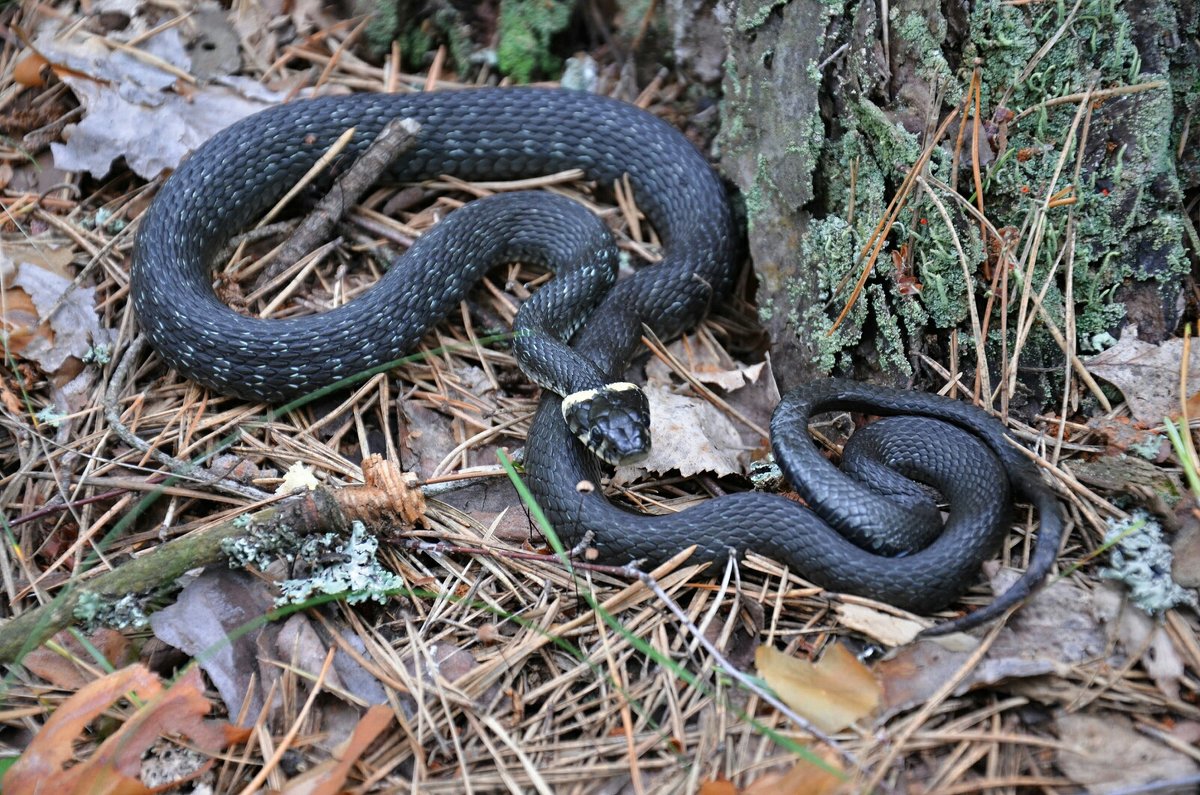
(832, 693)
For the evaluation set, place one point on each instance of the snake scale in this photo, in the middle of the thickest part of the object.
(850, 540)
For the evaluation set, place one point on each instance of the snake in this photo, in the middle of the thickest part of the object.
(578, 335)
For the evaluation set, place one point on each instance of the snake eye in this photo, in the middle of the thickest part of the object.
(612, 421)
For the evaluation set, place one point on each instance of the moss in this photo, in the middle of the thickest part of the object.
(525, 30)
(419, 30)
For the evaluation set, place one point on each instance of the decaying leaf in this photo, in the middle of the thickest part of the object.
(1147, 375)
(707, 363)
(888, 629)
(690, 435)
(329, 777)
(113, 767)
(804, 778)
(1106, 753)
(1059, 628)
(125, 95)
(208, 621)
(65, 663)
(833, 692)
(47, 319)
(1138, 632)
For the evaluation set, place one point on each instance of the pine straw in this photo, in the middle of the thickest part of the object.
(558, 701)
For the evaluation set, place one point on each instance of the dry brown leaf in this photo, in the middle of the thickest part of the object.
(804, 778)
(1105, 753)
(833, 692)
(706, 363)
(720, 786)
(1147, 375)
(64, 666)
(113, 767)
(690, 435)
(329, 777)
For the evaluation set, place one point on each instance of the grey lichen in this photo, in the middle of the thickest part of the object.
(51, 416)
(259, 547)
(354, 570)
(830, 248)
(1141, 559)
(95, 611)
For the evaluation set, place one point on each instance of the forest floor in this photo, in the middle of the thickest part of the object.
(442, 645)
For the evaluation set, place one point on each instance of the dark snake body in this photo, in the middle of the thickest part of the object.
(495, 134)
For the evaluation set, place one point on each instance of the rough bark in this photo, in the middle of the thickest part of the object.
(825, 111)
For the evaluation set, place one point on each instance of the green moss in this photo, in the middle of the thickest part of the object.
(525, 30)
(419, 30)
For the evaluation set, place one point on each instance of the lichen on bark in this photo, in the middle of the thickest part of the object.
(820, 146)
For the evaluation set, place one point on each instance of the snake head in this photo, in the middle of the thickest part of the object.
(612, 421)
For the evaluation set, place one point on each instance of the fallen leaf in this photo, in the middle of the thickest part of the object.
(208, 621)
(833, 692)
(301, 648)
(719, 786)
(804, 778)
(1138, 632)
(113, 767)
(67, 665)
(1106, 753)
(35, 283)
(329, 777)
(888, 629)
(1057, 630)
(124, 95)
(689, 435)
(1185, 548)
(1147, 375)
(707, 363)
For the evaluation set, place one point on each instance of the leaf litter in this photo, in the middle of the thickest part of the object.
(495, 673)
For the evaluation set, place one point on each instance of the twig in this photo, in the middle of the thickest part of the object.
(385, 493)
(394, 139)
(178, 467)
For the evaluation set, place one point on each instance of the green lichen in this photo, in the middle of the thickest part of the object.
(750, 18)
(1124, 223)
(829, 249)
(525, 30)
(931, 66)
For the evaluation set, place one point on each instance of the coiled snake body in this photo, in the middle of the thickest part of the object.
(494, 134)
